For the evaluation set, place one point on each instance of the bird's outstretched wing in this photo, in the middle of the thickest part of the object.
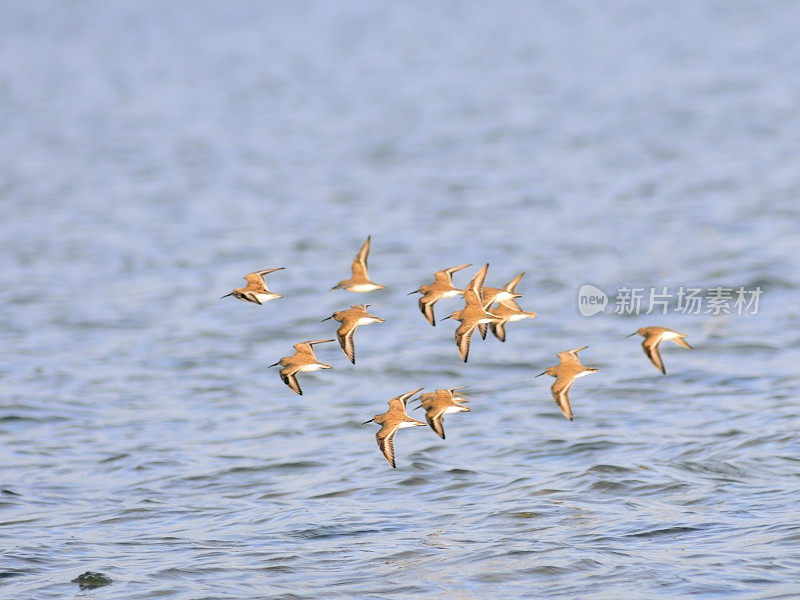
(682, 343)
(511, 286)
(404, 398)
(560, 391)
(499, 330)
(359, 267)
(650, 347)
(445, 276)
(346, 333)
(385, 437)
(472, 293)
(463, 339)
(289, 377)
(436, 421)
(426, 306)
(570, 357)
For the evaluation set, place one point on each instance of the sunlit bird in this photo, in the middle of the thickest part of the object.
(473, 314)
(256, 289)
(360, 281)
(442, 287)
(509, 312)
(301, 361)
(653, 336)
(393, 419)
(350, 320)
(440, 403)
(503, 295)
(507, 292)
(566, 372)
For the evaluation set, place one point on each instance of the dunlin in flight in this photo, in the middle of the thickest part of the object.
(360, 281)
(507, 292)
(473, 314)
(256, 289)
(393, 419)
(442, 287)
(566, 372)
(440, 403)
(302, 360)
(503, 295)
(653, 336)
(509, 312)
(350, 319)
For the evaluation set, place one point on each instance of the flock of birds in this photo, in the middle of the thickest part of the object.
(484, 308)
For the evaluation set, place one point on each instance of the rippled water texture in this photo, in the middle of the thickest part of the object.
(153, 153)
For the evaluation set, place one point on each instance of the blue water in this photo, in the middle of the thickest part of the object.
(151, 154)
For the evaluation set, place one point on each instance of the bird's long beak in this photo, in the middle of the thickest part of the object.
(540, 374)
(633, 334)
(274, 364)
(445, 318)
(370, 421)
(226, 295)
(326, 319)
(409, 293)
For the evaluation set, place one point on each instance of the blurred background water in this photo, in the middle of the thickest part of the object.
(152, 153)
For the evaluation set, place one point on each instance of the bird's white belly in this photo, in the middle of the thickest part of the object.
(366, 321)
(582, 373)
(451, 293)
(311, 367)
(363, 287)
(670, 335)
(265, 297)
(405, 424)
(453, 409)
(503, 296)
(516, 317)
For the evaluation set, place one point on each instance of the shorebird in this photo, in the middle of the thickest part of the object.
(473, 314)
(440, 403)
(653, 336)
(566, 372)
(393, 419)
(504, 296)
(302, 360)
(360, 281)
(509, 312)
(350, 319)
(442, 287)
(256, 289)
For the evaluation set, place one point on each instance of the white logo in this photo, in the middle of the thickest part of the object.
(591, 300)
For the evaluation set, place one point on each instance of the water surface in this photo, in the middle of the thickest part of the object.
(151, 154)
